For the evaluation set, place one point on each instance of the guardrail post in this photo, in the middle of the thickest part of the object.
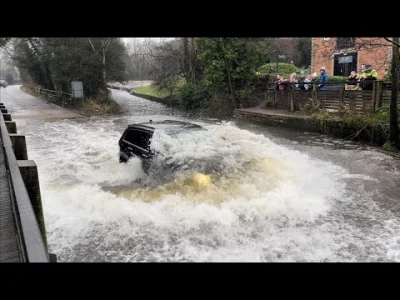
(379, 94)
(30, 176)
(7, 117)
(291, 92)
(314, 96)
(374, 95)
(53, 258)
(11, 126)
(19, 146)
(341, 99)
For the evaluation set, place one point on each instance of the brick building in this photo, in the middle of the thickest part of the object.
(340, 56)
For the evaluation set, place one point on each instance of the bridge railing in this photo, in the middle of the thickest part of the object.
(31, 239)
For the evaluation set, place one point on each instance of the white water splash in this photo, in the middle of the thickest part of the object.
(268, 204)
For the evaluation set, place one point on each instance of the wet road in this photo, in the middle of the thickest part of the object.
(24, 106)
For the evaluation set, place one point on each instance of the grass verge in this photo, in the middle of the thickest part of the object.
(151, 90)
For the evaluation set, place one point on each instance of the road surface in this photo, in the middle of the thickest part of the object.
(24, 106)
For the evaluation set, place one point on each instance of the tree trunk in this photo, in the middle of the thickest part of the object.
(102, 56)
(104, 74)
(394, 126)
(193, 61)
(229, 74)
(186, 60)
(44, 67)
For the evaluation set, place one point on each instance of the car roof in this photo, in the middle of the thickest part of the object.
(169, 126)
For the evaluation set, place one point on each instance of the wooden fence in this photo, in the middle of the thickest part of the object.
(53, 95)
(334, 99)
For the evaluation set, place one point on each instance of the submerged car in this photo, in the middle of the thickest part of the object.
(136, 139)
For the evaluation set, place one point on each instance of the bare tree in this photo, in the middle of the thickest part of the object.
(101, 52)
(231, 92)
(140, 58)
(168, 63)
(287, 47)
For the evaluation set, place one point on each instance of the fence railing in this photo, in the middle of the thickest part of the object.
(52, 95)
(334, 98)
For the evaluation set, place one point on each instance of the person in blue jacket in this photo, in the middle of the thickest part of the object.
(323, 79)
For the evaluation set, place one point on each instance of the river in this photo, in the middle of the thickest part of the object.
(283, 195)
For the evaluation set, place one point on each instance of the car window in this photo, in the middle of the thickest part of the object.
(138, 138)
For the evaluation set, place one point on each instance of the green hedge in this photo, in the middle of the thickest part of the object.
(387, 77)
(337, 79)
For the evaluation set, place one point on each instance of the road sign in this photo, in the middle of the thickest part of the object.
(345, 59)
(77, 89)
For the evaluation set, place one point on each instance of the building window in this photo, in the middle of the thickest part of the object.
(343, 43)
(327, 39)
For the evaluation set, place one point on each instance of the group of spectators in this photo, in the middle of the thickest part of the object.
(362, 82)
(305, 82)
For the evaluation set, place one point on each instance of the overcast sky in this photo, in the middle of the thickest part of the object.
(156, 39)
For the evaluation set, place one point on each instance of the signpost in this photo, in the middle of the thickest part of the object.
(77, 89)
(345, 59)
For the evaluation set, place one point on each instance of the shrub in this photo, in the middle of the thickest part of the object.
(387, 77)
(194, 96)
(337, 78)
(388, 146)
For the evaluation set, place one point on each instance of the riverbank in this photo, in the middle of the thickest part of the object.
(372, 128)
(169, 101)
(89, 108)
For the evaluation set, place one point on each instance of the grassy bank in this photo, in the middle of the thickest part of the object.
(216, 108)
(198, 100)
(369, 128)
(90, 107)
(95, 108)
(151, 90)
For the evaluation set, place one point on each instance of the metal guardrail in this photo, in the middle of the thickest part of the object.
(33, 245)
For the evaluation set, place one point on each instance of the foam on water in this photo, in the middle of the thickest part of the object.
(268, 203)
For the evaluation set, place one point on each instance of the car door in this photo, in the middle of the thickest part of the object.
(137, 142)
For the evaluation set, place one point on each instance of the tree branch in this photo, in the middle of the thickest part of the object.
(390, 41)
(107, 43)
(90, 41)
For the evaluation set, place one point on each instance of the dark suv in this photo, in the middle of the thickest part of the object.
(136, 139)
